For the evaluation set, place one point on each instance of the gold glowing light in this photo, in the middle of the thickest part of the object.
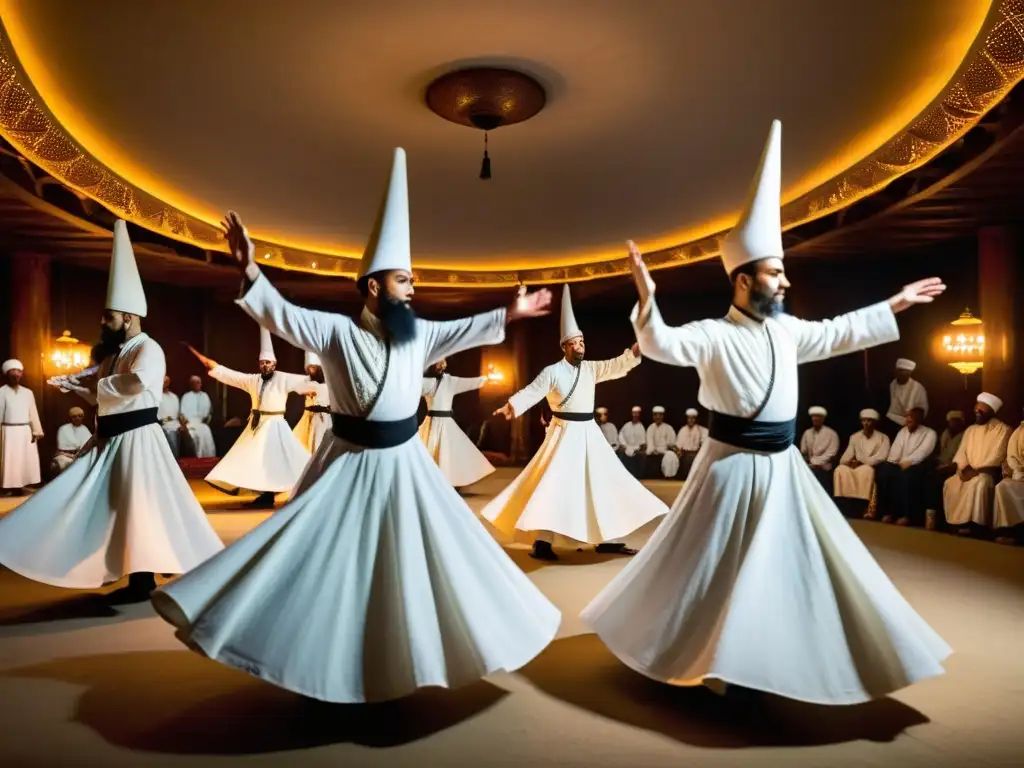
(961, 344)
(68, 355)
(493, 374)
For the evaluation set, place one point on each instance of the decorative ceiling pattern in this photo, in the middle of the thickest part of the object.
(994, 65)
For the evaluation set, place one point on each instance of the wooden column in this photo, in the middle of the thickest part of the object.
(1000, 309)
(520, 449)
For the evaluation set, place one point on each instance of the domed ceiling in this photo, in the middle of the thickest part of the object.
(171, 113)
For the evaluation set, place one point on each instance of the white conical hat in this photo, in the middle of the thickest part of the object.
(570, 329)
(124, 286)
(389, 247)
(758, 233)
(311, 359)
(266, 346)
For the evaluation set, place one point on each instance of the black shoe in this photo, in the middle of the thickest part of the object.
(542, 551)
(263, 501)
(614, 549)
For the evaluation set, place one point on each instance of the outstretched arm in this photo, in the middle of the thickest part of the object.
(526, 398)
(617, 367)
(232, 378)
(468, 384)
(148, 367)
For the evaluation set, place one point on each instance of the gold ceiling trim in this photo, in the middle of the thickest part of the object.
(996, 66)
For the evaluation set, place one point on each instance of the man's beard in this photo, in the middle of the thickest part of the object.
(576, 357)
(436, 373)
(317, 376)
(398, 319)
(267, 375)
(764, 304)
(12, 380)
(982, 417)
(109, 344)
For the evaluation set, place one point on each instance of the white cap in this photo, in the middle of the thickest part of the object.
(266, 346)
(691, 411)
(388, 247)
(954, 415)
(11, 364)
(311, 359)
(602, 410)
(124, 286)
(905, 365)
(637, 409)
(991, 401)
(758, 233)
(869, 413)
(657, 409)
(569, 329)
(816, 410)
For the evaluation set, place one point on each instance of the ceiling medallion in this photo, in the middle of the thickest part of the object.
(486, 99)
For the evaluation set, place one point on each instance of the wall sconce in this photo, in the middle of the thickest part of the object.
(961, 344)
(68, 354)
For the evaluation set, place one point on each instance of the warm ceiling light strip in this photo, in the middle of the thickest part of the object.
(996, 66)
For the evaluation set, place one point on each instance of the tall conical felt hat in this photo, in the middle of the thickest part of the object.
(311, 359)
(124, 286)
(266, 346)
(570, 329)
(758, 233)
(389, 247)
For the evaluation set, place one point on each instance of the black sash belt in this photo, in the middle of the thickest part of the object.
(118, 423)
(373, 434)
(318, 408)
(439, 414)
(254, 419)
(750, 435)
(571, 416)
(16, 424)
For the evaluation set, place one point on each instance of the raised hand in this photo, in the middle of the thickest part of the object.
(528, 305)
(243, 252)
(210, 364)
(641, 277)
(505, 410)
(922, 292)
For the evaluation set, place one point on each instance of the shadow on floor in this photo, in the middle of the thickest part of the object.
(179, 703)
(582, 672)
(572, 558)
(81, 606)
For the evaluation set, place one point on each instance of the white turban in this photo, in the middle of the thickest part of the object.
(905, 365)
(954, 415)
(602, 410)
(817, 410)
(691, 411)
(991, 401)
(657, 409)
(869, 413)
(637, 409)
(11, 364)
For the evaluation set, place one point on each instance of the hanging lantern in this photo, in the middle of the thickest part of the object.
(961, 344)
(68, 354)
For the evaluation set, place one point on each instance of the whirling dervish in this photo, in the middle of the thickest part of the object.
(755, 578)
(455, 455)
(376, 579)
(266, 457)
(575, 485)
(316, 416)
(123, 508)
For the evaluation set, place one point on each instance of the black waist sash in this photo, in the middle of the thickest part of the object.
(16, 424)
(572, 416)
(373, 434)
(118, 423)
(439, 414)
(750, 435)
(318, 408)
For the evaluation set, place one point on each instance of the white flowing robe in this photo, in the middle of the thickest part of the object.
(1009, 504)
(197, 410)
(915, 447)
(376, 579)
(690, 439)
(859, 482)
(455, 455)
(984, 445)
(313, 425)
(120, 509)
(632, 436)
(820, 447)
(755, 578)
(611, 434)
(660, 440)
(575, 485)
(167, 415)
(70, 440)
(903, 397)
(19, 452)
(268, 459)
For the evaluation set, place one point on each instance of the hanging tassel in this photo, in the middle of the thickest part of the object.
(485, 167)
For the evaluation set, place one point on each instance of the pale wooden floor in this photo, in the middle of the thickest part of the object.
(84, 685)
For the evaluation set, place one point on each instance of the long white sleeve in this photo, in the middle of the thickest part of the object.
(464, 384)
(852, 332)
(1015, 453)
(307, 329)
(848, 453)
(33, 416)
(616, 368)
(531, 394)
(147, 372)
(686, 345)
(444, 339)
(925, 449)
(232, 378)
